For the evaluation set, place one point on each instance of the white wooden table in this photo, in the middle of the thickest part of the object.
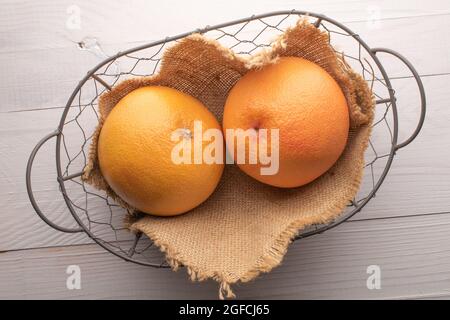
(405, 230)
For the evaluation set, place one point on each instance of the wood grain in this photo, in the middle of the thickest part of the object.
(416, 185)
(413, 255)
(45, 77)
(403, 230)
(25, 26)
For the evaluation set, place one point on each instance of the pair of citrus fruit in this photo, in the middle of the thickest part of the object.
(294, 96)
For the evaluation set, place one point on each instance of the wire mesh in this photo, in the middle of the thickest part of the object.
(102, 218)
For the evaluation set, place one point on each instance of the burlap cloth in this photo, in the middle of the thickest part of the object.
(245, 227)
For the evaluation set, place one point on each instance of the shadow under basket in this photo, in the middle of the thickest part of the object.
(245, 227)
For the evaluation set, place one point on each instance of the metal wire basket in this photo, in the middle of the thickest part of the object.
(101, 219)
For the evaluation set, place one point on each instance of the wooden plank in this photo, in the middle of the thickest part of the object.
(19, 132)
(400, 230)
(45, 77)
(413, 255)
(27, 26)
(415, 185)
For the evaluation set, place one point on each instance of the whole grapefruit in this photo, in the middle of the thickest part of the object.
(305, 104)
(135, 151)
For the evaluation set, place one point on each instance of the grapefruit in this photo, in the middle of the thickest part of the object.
(135, 151)
(308, 107)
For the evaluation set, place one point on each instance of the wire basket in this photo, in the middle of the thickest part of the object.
(102, 220)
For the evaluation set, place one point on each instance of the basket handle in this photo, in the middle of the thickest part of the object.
(30, 190)
(423, 102)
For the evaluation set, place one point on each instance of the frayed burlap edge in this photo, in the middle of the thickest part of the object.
(266, 262)
(360, 103)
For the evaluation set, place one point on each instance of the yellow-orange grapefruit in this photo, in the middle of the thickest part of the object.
(135, 151)
(308, 107)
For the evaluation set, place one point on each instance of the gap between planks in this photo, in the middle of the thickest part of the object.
(63, 107)
(431, 214)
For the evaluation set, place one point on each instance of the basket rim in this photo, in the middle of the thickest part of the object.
(312, 230)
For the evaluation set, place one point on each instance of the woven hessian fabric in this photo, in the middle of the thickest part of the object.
(245, 227)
